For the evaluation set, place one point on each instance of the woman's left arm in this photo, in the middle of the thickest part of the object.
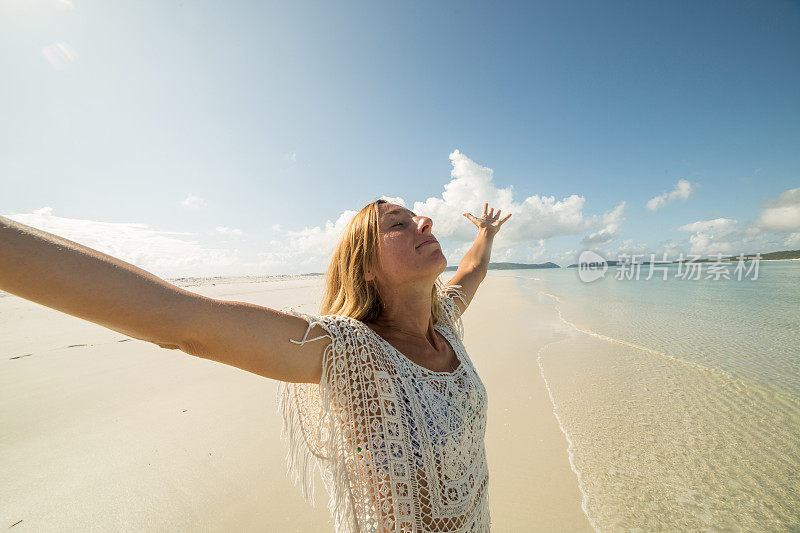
(475, 263)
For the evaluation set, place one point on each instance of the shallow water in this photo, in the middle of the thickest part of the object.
(681, 398)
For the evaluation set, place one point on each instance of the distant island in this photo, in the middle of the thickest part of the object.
(513, 266)
(786, 254)
(770, 256)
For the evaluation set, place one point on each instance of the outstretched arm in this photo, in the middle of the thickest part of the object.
(83, 282)
(473, 267)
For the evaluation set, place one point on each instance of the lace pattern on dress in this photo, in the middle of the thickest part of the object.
(398, 448)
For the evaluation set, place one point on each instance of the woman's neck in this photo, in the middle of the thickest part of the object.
(406, 314)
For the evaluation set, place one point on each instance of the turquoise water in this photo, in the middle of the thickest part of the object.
(680, 398)
(748, 328)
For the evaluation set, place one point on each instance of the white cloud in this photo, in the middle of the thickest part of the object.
(164, 253)
(535, 219)
(308, 249)
(671, 248)
(612, 220)
(720, 235)
(630, 248)
(564, 258)
(292, 156)
(524, 236)
(718, 225)
(769, 232)
(394, 200)
(225, 230)
(643, 251)
(781, 213)
(454, 252)
(682, 190)
(194, 202)
(530, 252)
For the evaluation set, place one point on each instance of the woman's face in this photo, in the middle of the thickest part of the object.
(407, 250)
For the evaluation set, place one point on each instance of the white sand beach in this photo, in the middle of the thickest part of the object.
(105, 432)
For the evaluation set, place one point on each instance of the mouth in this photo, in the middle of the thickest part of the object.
(427, 241)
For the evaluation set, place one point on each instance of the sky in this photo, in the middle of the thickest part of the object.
(238, 138)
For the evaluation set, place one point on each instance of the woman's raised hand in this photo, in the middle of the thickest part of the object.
(489, 220)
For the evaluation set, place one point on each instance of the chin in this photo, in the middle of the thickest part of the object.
(442, 262)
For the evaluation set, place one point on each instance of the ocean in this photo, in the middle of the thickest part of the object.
(679, 398)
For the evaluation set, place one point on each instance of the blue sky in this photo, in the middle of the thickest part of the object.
(208, 138)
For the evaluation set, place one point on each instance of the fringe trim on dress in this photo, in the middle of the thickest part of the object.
(303, 456)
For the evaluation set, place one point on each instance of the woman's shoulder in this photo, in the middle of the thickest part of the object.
(338, 327)
(332, 319)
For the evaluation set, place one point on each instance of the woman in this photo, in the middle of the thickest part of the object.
(387, 404)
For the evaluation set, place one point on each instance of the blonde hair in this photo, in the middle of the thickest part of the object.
(346, 291)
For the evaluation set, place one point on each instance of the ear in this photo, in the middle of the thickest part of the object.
(369, 276)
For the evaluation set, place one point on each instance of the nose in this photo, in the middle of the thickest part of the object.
(423, 223)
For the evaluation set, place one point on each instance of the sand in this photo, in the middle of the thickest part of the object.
(104, 432)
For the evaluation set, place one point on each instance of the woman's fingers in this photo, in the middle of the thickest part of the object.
(491, 215)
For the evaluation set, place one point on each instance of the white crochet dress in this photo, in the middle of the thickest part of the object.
(400, 447)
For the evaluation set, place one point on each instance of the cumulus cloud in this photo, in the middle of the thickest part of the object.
(394, 200)
(164, 253)
(535, 219)
(306, 249)
(569, 257)
(670, 248)
(781, 213)
(667, 250)
(225, 230)
(720, 235)
(309, 248)
(612, 220)
(194, 202)
(769, 232)
(529, 252)
(628, 247)
(524, 236)
(682, 190)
